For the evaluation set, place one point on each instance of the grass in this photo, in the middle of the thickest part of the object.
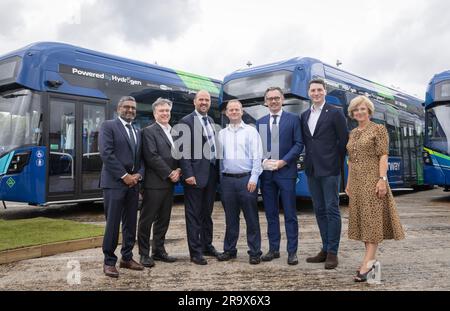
(37, 231)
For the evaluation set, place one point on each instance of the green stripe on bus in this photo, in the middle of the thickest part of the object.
(386, 96)
(197, 82)
(437, 154)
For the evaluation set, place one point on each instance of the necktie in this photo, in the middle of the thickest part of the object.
(132, 140)
(210, 137)
(274, 138)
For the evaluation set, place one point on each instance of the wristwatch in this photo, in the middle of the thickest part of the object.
(383, 177)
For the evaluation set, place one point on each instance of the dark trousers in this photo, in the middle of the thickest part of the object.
(120, 206)
(325, 196)
(272, 189)
(235, 197)
(156, 210)
(198, 203)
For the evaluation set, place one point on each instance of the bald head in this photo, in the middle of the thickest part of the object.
(202, 102)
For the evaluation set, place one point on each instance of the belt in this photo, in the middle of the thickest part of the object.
(237, 175)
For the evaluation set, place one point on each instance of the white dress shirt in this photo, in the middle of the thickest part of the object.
(207, 129)
(279, 113)
(126, 128)
(314, 117)
(167, 129)
(241, 150)
(125, 123)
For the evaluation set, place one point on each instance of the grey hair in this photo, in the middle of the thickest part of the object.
(274, 88)
(125, 99)
(161, 101)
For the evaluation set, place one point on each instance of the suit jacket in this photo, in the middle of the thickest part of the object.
(325, 150)
(117, 154)
(193, 161)
(290, 142)
(157, 157)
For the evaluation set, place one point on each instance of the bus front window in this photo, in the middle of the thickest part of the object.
(438, 128)
(256, 110)
(20, 120)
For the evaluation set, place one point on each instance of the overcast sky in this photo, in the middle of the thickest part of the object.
(398, 43)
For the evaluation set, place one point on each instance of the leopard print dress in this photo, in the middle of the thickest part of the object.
(370, 219)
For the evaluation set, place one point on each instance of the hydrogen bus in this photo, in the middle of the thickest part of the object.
(402, 114)
(53, 99)
(437, 131)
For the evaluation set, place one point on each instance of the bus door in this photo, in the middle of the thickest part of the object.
(74, 161)
(413, 149)
(409, 156)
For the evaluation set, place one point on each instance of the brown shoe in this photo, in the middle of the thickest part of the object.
(110, 271)
(131, 264)
(320, 257)
(332, 261)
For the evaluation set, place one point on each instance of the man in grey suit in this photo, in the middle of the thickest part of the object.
(120, 149)
(161, 173)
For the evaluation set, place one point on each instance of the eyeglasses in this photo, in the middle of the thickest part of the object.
(275, 98)
(128, 107)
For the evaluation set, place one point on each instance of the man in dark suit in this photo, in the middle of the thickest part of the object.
(199, 167)
(120, 151)
(161, 172)
(325, 136)
(281, 134)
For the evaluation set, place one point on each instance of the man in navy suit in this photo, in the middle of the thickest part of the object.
(199, 167)
(281, 134)
(325, 135)
(120, 151)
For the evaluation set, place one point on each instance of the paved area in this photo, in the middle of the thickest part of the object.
(420, 262)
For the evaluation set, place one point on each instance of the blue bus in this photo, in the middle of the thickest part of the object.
(53, 99)
(401, 113)
(437, 131)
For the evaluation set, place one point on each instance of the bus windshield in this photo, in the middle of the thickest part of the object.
(20, 119)
(255, 86)
(256, 110)
(438, 131)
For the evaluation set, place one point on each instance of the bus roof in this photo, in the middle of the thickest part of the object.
(41, 62)
(430, 96)
(306, 68)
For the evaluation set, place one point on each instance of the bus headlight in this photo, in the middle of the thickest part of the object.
(301, 162)
(427, 158)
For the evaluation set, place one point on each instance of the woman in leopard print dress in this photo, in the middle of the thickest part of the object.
(372, 211)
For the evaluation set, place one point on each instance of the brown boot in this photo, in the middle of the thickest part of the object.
(331, 261)
(320, 257)
(131, 264)
(110, 271)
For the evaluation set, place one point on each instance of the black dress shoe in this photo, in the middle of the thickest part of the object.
(254, 260)
(225, 256)
(147, 261)
(271, 255)
(163, 257)
(292, 259)
(211, 251)
(199, 261)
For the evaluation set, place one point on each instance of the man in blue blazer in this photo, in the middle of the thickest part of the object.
(282, 140)
(325, 136)
(200, 175)
(120, 151)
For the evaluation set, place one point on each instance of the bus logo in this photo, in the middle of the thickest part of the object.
(10, 182)
(39, 154)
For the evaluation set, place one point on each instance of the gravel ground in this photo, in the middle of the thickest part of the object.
(421, 262)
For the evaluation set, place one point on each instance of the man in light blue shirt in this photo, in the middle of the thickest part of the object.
(240, 150)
